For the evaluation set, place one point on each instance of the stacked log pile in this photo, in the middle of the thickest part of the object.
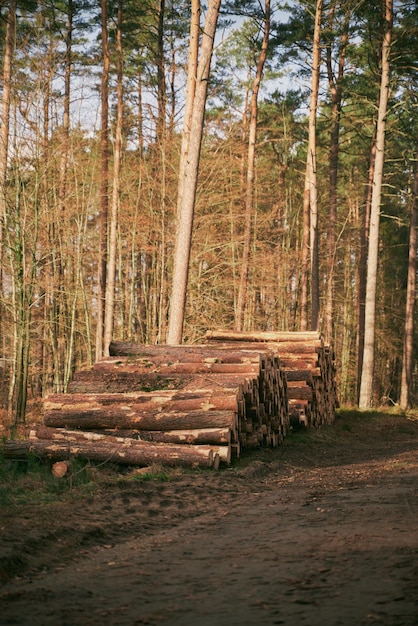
(186, 405)
(308, 362)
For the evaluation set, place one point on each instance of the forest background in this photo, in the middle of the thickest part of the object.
(93, 97)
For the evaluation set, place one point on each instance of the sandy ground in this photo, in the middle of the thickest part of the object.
(322, 531)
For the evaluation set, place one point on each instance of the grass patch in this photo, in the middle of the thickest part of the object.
(30, 480)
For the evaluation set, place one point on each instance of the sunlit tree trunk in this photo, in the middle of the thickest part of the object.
(4, 137)
(408, 346)
(104, 184)
(117, 157)
(249, 190)
(310, 191)
(334, 81)
(67, 343)
(190, 93)
(58, 305)
(188, 186)
(362, 266)
(366, 387)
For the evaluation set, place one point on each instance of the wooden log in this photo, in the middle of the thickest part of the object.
(166, 369)
(299, 392)
(292, 362)
(102, 382)
(302, 375)
(180, 353)
(60, 468)
(147, 402)
(154, 381)
(205, 436)
(306, 347)
(125, 417)
(166, 355)
(231, 335)
(133, 453)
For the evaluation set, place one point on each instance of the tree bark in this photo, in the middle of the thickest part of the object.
(143, 402)
(4, 135)
(311, 161)
(366, 388)
(104, 184)
(310, 196)
(5, 110)
(249, 189)
(189, 184)
(408, 346)
(190, 94)
(128, 417)
(127, 453)
(362, 266)
(203, 436)
(335, 84)
(252, 335)
(117, 160)
(161, 82)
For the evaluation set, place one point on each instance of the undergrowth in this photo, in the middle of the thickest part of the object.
(30, 481)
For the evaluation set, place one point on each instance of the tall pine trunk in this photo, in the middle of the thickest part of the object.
(189, 183)
(366, 387)
(408, 346)
(249, 189)
(4, 142)
(117, 158)
(310, 206)
(334, 82)
(104, 185)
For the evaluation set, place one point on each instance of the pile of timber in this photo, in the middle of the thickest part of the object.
(194, 405)
(308, 362)
(174, 405)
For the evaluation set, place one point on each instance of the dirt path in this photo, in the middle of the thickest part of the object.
(323, 532)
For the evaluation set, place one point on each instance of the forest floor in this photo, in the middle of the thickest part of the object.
(322, 531)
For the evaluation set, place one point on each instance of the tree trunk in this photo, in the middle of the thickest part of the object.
(161, 81)
(190, 93)
(313, 186)
(249, 190)
(336, 98)
(64, 337)
(310, 200)
(126, 453)
(4, 137)
(366, 388)
(117, 158)
(124, 416)
(203, 436)
(408, 347)
(362, 266)
(189, 184)
(104, 184)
